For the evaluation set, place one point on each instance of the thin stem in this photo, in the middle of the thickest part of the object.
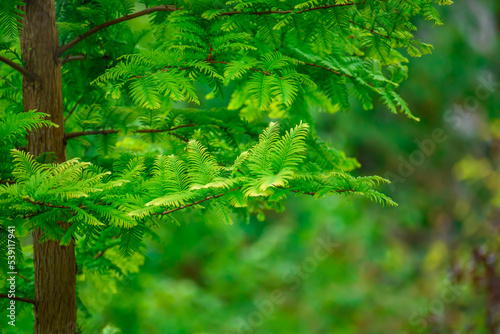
(268, 73)
(373, 31)
(165, 130)
(328, 69)
(31, 215)
(20, 299)
(62, 49)
(73, 109)
(19, 68)
(47, 204)
(166, 212)
(227, 63)
(24, 278)
(170, 8)
(111, 131)
(291, 10)
(311, 193)
(184, 139)
(333, 71)
(1, 76)
(74, 58)
(89, 133)
(304, 63)
(101, 253)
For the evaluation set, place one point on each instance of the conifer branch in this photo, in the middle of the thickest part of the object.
(166, 212)
(62, 49)
(20, 299)
(31, 215)
(7, 81)
(111, 131)
(171, 8)
(310, 193)
(291, 10)
(28, 74)
(24, 278)
(333, 71)
(47, 204)
(210, 61)
(328, 69)
(184, 139)
(101, 253)
(303, 63)
(226, 63)
(73, 109)
(373, 31)
(80, 57)
(74, 58)
(165, 130)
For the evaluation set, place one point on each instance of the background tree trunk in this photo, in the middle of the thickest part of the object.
(55, 265)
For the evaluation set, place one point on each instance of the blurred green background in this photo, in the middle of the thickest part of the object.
(349, 266)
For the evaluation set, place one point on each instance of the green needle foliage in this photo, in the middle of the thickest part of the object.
(200, 105)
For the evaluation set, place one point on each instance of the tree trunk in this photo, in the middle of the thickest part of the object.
(55, 265)
(55, 286)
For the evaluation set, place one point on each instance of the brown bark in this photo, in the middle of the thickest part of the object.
(55, 265)
(55, 286)
(39, 43)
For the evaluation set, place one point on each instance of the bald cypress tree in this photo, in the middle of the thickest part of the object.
(80, 78)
